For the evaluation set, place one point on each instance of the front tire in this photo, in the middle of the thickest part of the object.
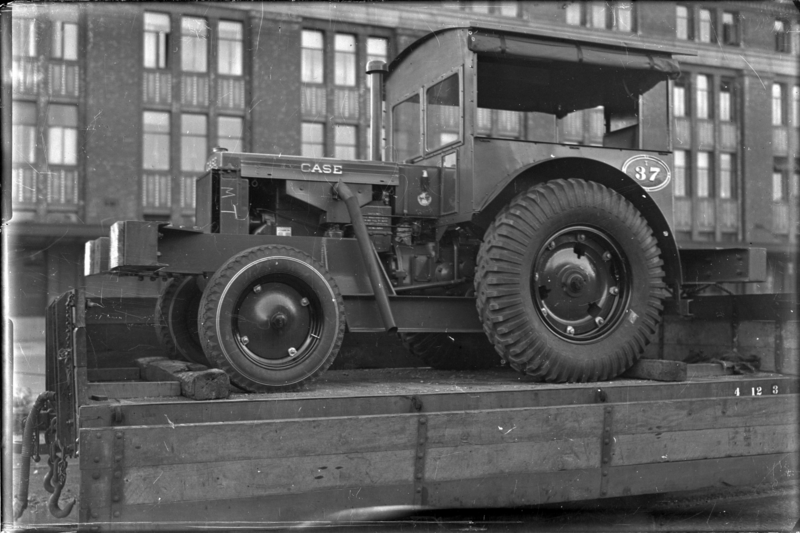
(570, 282)
(272, 318)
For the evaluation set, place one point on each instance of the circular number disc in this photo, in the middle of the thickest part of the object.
(650, 172)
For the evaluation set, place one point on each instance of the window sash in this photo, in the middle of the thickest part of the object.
(777, 186)
(680, 187)
(62, 146)
(777, 104)
(229, 48)
(312, 67)
(194, 44)
(725, 114)
(623, 17)
(573, 14)
(312, 140)
(155, 147)
(156, 32)
(23, 142)
(730, 28)
(65, 40)
(682, 22)
(23, 37)
(679, 101)
(344, 70)
(345, 141)
(726, 176)
(702, 92)
(229, 133)
(705, 26)
(704, 189)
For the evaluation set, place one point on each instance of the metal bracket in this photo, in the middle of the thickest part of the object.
(606, 441)
(420, 494)
(117, 483)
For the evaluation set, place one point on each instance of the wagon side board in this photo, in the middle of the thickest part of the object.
(292, 469)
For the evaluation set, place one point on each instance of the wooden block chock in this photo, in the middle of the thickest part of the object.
(197, 381)
(657, 369)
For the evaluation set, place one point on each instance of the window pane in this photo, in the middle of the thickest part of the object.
(679, 102)
(70, 146)
(345, 60)
(155, 154)
(777, 104)
(156, 32)
(70, 48)
(703, 175)
(313, 144)
(377, 49)
(23, 37)
(23, 134)
(55, 146)
(479, 7)
(62, 115)
(229, 133)
(725, 176)
(345, 142)
(682, 22)
(680, 187)
(796, 105)
(193, 142)
(702, 97)
(730, 28)
(777, 186)
(705, 26)
(405, 129)
(229, 48)
(194, 39)
(725, 106)
(623, 17)
(509, 9)
(598, 11)
(574, 14)
(442, 101)
(312, 57)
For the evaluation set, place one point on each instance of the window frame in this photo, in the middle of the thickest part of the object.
(419, 93)
(783, 43)
(340, 58)
(235, 48)
(458, 71)
(61, 134)
(735, 39)
(732, 192)
(185, 150)
(320, 51)
(303, 143)
(337, 128)
(709, 174)
(689, 20)
(23, 131)
(189, 61)
(28, 36)
(59, 38)
(711, 26)
(162, 43)
(239, 139)
(778, 104)
(686, 178)
(163, 136)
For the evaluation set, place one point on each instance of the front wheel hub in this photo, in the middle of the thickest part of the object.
(580, 283)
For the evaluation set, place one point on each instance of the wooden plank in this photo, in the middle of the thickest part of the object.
(690, 475)
(383, 392)
(171, 443)
(657, 369)
(224, 480)
(133, 389)
(468, 462)
(514, 490)
(703, 444)
(709, 413)
(704, 370)
(113, 374)
(251, 511)
(198, 382)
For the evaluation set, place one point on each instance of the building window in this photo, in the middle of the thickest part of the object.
(344, 140)
(782, 37)
(156, 40)
(777, 105)
(194, 147)
(704, 184)
(730, 28)
(778, 186)
(313, 140)
(312, 70)
(194, 44)
(229, 133)
(23, 37)
(681, 187)
(706, 26)
(156, 141)
(727, 176)
(622, 16)
(796, 106)
(23, 132)
(703, 97)
(573, 13)
(344, 71)
(794, 189)
(726, 107)
(683, 23)
(479, 7)
(680, 109)
(62, 135)
(229, 48)
(597, 15)
(508, 9)
(65, 40)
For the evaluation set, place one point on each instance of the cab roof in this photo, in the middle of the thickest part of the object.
(551, 45)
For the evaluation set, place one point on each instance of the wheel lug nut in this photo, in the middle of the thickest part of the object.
(570, 330)
(581, 237)
(304, 302)
(599, 321)
(257, 289)
(245, 340)
(551, 245)
(606, 256)
(544, 311)
(292, 352)
(614, 291)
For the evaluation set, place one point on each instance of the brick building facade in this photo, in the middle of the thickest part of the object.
(116, 106)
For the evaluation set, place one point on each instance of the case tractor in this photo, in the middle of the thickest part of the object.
(478, 229)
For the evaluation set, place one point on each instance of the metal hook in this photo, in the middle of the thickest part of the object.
(48, 486)
(52, 503)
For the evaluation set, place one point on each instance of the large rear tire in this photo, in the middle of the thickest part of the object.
(272, 318)
(452, 351)
(176, 320)
(570, 282)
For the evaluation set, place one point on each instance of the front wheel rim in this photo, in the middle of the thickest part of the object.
(277, 322)
(581, 284)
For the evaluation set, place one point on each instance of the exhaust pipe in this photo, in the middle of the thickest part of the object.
(376, 70)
